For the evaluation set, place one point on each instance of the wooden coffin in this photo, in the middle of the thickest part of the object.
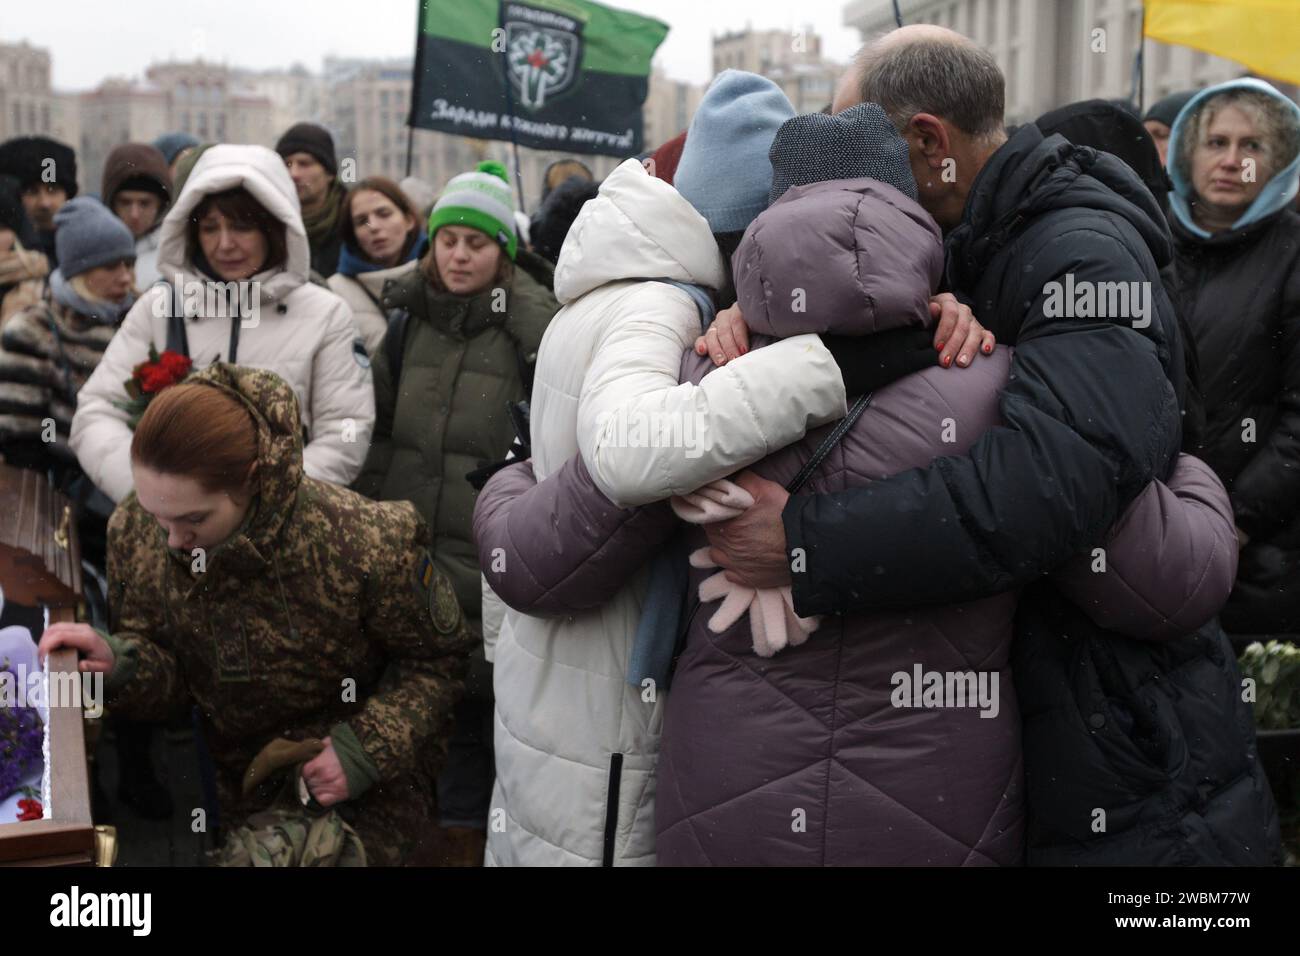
(40, 565)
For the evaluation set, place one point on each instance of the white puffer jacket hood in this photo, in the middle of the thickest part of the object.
(638, 227)
(263, 174)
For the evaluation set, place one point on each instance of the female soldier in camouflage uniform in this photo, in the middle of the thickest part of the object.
(288, 609)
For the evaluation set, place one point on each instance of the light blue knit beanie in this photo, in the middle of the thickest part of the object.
(724, 171)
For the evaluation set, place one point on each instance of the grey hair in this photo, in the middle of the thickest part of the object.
(957, 81)
(1275, 123)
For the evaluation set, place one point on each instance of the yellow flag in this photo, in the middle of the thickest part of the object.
(1262, 35)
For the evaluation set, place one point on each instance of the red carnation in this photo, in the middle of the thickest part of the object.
(168, 369)
(176, 365)
(152, 378)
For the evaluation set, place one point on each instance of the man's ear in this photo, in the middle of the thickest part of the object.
(931, 137)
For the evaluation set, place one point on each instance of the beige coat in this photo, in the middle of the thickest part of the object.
(363, 294)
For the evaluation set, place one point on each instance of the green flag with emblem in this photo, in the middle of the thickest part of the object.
(566, 75)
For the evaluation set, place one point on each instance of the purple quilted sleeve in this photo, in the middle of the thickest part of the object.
(561, 547)
(1167, 566)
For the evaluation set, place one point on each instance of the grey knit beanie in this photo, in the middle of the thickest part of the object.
(87, 235)
(859, 142)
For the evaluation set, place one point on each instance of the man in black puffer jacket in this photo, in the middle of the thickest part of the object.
(1135, 753)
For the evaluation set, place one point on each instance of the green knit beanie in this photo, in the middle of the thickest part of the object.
(481, 200)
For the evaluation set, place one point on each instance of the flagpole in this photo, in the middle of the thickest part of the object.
(1142, 69)
(510, 111)
(415, 79)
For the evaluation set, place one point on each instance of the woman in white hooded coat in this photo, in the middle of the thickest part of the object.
(575, 744)
(241, 283)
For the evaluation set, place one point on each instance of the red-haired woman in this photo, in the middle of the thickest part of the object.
(233, 255)
(292, 611)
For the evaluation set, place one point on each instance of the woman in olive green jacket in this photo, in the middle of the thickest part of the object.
(461, 344)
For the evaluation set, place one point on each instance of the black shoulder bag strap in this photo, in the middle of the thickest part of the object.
(177, 339)
(829, 442)
(523, 365)
(395, 342)
(377, 300)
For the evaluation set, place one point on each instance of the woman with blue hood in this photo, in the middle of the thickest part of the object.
(1234, 160)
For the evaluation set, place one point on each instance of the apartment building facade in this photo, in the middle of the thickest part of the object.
(1054, 52)
(792, 59)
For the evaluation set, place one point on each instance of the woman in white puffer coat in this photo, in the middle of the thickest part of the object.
(234, 259)
(576, 745)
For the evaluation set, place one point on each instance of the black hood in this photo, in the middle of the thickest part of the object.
(1167, 110)
(1105, 126)
(1031, 175)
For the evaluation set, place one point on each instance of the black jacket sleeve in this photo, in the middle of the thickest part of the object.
(869, 362)
(1090, 417)
(1266, 494)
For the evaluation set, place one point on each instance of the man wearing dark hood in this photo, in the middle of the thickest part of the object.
(137, 188)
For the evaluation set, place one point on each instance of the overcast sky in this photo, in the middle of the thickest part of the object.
(90, 40)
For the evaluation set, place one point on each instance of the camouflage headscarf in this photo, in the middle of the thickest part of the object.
(274, 409)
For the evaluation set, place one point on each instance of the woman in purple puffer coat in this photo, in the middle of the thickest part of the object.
(885, 738)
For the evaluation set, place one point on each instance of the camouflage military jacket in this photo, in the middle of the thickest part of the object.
(324, 609)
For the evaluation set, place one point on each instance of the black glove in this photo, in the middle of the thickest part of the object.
(870, 362)
(521, 450)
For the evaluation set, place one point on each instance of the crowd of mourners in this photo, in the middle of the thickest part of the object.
(882, 485)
